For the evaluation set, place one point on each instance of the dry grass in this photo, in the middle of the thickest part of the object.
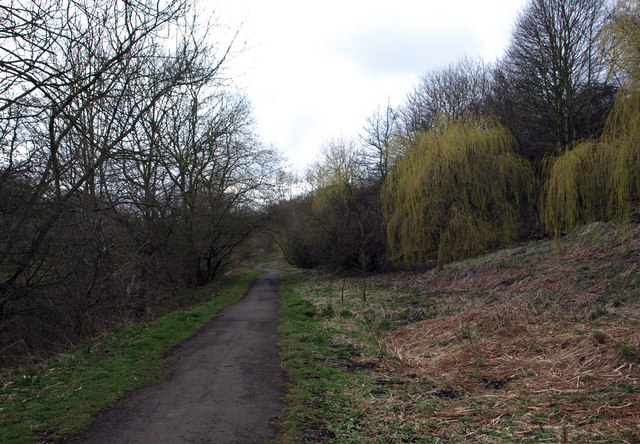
(514, 358)
(559, 329)
(540, 343)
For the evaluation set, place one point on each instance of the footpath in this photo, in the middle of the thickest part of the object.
(225, 387)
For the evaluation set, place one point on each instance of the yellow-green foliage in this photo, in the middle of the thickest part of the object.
(622, 42)
(623, 135)
(597, 180)
(457, 190)
(600, 180)
(333, 177)
(622, 132)
(578, 186)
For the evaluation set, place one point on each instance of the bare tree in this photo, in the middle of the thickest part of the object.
(116, 133)
(454, 91)
(380, 130)
(81, 75)
(552, 79)
(219, 172)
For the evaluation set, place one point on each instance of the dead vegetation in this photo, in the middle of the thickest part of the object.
(552, 340)
(537, 343)
(567, 371)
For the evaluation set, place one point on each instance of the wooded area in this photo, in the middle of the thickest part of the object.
(480, 155)
(130, 169)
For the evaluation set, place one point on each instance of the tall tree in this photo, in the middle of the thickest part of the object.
(600, 179)
(455, 91)
(622, 40)
(128, 168)
(380, 131)
(458, 190)
(335, 180)
(551, 86)
(81, 72)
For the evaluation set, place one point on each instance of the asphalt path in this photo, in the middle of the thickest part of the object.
(226, 386)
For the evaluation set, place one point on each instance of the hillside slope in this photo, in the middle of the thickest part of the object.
(536, 343)
(553, 327)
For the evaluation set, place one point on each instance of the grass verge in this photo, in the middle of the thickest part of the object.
(331, 362)
(61, 397)
(317, 408)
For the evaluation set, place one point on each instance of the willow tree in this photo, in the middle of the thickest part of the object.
(577, 188)
(458, 190)
(623, 127)
(600, 179)
(621, 39)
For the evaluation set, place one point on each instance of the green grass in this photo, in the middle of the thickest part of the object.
(317, 370)
(302, 339)
(61, 397)
(329, 357)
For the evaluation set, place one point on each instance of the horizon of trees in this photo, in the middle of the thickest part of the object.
(130, 169)
(564, 98)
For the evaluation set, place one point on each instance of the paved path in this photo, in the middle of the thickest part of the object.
(225, 387)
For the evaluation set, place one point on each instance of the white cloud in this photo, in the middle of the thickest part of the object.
(395, 50)
(315, 70)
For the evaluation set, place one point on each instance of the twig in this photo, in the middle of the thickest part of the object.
(21, 341)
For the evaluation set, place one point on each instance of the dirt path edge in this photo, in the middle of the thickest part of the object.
(225, 387)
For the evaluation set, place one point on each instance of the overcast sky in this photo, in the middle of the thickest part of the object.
(314, 70)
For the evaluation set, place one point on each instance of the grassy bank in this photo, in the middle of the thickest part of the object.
(539, 343)
(332, 356)
(320, 371)
(61, 397)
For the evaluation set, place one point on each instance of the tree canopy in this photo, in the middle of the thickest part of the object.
(551, 87)
(600, 179)
(129, 166)
(458, 190)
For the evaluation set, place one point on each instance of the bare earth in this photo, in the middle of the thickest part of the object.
(226, 386)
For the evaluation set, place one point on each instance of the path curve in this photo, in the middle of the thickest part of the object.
(226, 386)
